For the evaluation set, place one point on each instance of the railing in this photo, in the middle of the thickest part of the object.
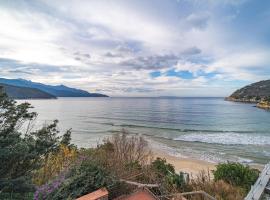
(259, 187)
(202, 193)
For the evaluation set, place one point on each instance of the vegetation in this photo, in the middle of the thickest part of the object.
(255, 92)
(40, 164)
(219, 189)
(55, 163)
(166, 174)
(17, 92)
(236, 174)
(23, 151)
(83, 178)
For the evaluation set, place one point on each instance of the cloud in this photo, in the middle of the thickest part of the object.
(191, 51)
(198, 20)
(17, 71)
(152, 62)
(115, 46)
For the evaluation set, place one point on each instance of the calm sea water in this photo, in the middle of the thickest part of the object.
(204, 128)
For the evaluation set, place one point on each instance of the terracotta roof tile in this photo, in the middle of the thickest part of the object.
(101, 193)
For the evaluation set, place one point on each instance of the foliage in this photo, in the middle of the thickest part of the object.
(162, 167)
(56, 163)
(21, 150)
(166, 175)
(83, 179)
(129, 148)
(236, 174)
(218, 189)
(124, 154)
(267, 99)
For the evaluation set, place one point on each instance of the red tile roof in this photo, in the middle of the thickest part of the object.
(101, 193)
(141, 194)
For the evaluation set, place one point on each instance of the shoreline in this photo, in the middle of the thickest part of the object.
(187, 165)
(190, 165)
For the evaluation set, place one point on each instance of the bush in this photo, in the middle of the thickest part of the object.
(165, 174)
(124, 154)
(83, 179)
(218, 189)
(236, 174)
(162, 167)
(55, 164)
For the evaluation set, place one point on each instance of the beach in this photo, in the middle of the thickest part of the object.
(190, 165)
(187, 165)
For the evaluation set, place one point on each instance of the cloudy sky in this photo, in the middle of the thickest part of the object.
(137, 47)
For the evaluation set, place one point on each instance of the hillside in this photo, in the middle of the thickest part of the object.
(58, 90)
(258, 92)
(252, 93)
(16, 92)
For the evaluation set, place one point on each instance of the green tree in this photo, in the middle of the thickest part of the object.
(236, 174)
(21, 150)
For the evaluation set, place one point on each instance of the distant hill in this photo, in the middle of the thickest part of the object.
(255, 93)
(58, 90)
(252, 93)
(16, 92)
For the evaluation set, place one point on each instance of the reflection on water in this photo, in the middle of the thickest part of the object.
(207, 128)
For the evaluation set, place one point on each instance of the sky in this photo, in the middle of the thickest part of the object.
(137, 47)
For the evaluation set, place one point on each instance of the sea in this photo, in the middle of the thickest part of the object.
(209, 129)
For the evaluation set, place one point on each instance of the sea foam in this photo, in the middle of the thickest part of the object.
(229, 138)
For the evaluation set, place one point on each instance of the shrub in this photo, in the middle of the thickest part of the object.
(236, 174)
(218, 189)
(54, 164)
(129, 148)
(124, 154)
(83, 179)
(161, 166)
(165, 174)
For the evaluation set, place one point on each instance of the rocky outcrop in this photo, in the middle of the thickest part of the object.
(264, 105)
(253, 93)
(258, 93)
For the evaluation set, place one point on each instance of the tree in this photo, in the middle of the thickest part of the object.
(21, 150)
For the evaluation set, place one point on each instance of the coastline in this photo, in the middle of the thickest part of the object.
(187, 165)
(190, 165)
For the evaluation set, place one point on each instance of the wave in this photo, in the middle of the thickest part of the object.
(230, 138)
(226, 137)
(183, 130)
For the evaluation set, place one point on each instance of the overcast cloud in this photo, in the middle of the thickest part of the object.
(137, 48)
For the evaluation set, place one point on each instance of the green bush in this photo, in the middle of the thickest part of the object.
(83, 179)
(236, 174)
(163, 168)
(166, 174)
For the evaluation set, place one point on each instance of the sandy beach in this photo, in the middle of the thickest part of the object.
(191, 165)
(188, 165)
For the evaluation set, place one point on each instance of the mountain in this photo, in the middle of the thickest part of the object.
(255, 93)
(58, 90)
(16, 92)
(252, 93)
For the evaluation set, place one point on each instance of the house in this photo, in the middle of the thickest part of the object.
(140, 194)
